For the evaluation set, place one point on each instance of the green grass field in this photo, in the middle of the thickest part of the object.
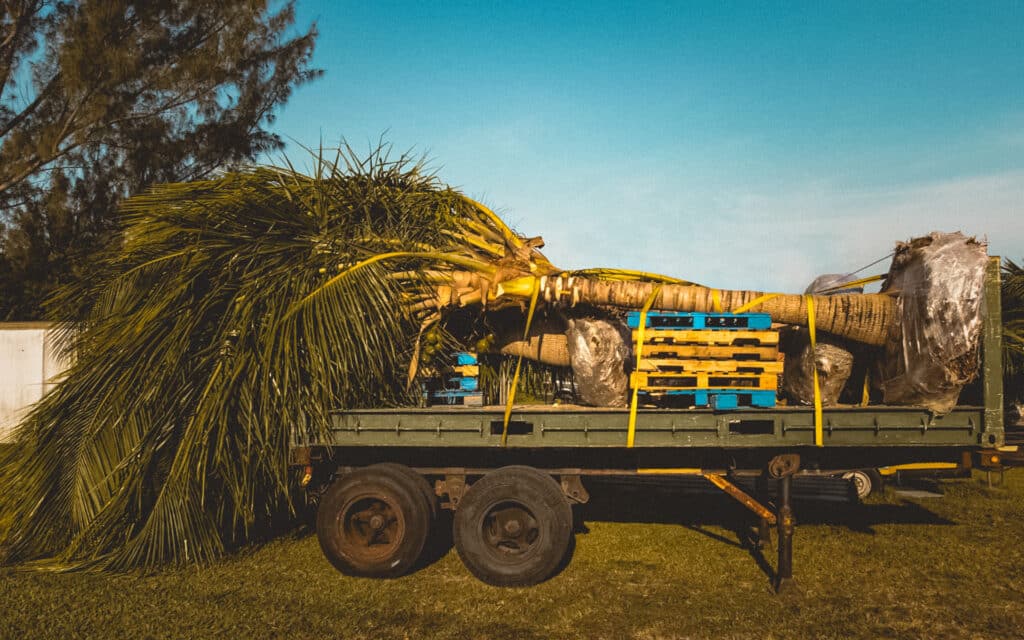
(650, 566)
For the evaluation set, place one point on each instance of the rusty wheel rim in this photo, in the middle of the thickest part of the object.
(510, 530)
(370, 529)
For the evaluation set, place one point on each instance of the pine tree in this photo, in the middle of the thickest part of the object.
(101, 98)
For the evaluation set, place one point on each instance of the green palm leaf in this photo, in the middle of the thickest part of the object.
(1013, 317)
(216, 331)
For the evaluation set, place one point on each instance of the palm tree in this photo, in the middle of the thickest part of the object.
(1013, 326)
(238, 311)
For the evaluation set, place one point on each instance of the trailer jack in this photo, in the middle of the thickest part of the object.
(782, 468)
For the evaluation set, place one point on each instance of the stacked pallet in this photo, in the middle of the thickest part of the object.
(461, 383)
(718, 360)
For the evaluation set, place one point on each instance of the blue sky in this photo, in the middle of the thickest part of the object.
(738, 144)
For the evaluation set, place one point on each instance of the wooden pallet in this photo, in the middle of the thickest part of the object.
(709, 352)
(700, 320)
(738, 338)
(709, 366)
(719, 399)
(649, 381)
(448, 396)
(462, 384)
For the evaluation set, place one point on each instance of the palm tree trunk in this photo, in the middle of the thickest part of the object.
(865, 318)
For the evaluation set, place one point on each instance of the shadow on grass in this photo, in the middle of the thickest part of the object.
(694, 508)
(622, 501)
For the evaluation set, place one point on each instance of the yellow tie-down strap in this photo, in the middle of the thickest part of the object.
(818, 435)
(631, 431)
(716, 300)
(519, 363)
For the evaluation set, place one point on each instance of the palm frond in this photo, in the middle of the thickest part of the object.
(1012, 290)
(230, 319)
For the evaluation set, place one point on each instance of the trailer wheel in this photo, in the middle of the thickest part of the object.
(513, 527)
(865, 481)
(421, 483)
(373, 522)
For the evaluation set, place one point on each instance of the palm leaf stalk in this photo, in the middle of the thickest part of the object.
(237, 312)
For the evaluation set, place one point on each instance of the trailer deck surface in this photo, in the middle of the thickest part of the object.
(575, 426)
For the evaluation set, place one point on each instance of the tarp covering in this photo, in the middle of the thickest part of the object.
(599, 350)
(834, 365)
(933, 351)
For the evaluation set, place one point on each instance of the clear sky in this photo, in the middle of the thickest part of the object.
(737, 144)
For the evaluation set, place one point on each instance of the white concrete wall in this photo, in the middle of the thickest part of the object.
(29, 365)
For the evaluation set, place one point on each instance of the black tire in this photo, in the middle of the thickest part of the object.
(439, 537)
(421, 483)
(513, 527)
(373, 522)
(864, 481)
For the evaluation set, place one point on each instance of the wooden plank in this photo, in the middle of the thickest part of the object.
(709, 366)
(702, 380)
(709, 352)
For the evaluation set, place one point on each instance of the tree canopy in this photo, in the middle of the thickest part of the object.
(101, 98)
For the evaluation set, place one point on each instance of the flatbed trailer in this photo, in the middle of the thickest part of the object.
(381, 477)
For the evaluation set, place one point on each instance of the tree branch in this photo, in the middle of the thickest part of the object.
(27, 111)
(9, 46)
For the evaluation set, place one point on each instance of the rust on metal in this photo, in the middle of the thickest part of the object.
(454, 486)
(740, 496)
(573, 488)
(784, 465)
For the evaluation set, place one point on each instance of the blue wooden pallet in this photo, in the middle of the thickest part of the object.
(454, 397)
(698, 320)
(718, 399)
(463, 383)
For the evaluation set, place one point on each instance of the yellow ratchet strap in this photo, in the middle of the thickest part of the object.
(519, 362)
(631, 432)
(818, 436)
(866, 397)
(716, 300)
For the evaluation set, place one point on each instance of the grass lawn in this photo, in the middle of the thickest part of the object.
(669, 567)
